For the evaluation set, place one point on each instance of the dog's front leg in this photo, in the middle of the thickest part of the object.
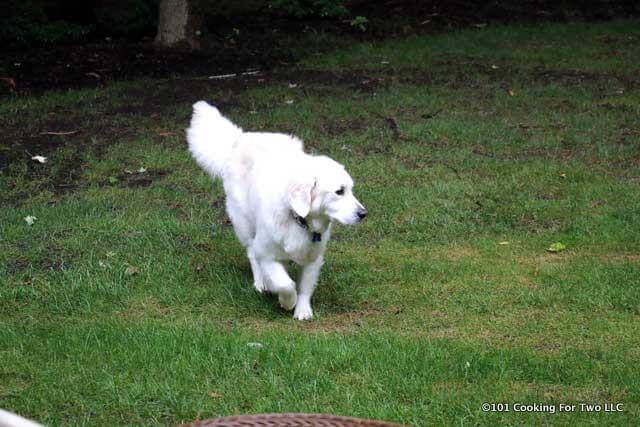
(280, 283)
(308, 280)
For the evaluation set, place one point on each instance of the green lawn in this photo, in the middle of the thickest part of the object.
(129, 301)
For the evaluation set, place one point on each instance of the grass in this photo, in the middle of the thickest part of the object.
(510, 139)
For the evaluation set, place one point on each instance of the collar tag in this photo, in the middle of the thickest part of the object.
(302, 222)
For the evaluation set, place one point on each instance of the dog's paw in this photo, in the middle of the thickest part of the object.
(287, 299)
(259, 286)
(303, 312)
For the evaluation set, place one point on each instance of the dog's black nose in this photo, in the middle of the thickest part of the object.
(362, 213)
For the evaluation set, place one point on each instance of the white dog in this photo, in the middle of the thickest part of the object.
(281, 201)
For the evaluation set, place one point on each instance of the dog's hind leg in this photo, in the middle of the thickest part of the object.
(258, 279)
(280, 283)
(245, 232)
(242, 226)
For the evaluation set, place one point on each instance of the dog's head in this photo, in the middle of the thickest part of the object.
(329, 193)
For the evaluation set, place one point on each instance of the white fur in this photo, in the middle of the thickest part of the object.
(9, 419)
(267, 177)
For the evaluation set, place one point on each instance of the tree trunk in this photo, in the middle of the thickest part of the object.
(178, 25)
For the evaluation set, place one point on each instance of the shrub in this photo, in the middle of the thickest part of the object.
(25, 23)
(306, 8)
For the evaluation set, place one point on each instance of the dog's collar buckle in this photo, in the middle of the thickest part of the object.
(302, 222)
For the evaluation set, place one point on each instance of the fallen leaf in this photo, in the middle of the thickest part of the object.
(130, 172)
(511, 93)
(165, 134)
(503, 243)
(289, 101)
(223, 76)
(556, 247)
(30, 219)
(255, 345)
(214, 395)
(71, 132)
(494, 67)
(11, 82)
(39, 159)
(132, 271)
(563, 175)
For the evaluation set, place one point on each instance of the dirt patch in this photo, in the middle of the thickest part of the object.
(340, 126)
(51, 257)
(469, 72)
(134, 179)
(17, 265)
(95, 64)
(66, 137)
(456, 253)
(622, 258)
(577, 77)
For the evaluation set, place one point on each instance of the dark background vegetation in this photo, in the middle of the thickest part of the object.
(31, 23)
(58, 44)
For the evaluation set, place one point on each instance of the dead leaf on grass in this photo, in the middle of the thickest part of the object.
(70, 132)
(556, 247)
(131, 270)
(39, 159)
(10, 81)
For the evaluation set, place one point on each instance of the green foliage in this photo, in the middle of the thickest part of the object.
(38, 22)
(305, 8)
(28, 24)
(127, 17)
(229, 8)
(359, 22)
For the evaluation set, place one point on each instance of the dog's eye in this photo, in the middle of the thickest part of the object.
(340, 192)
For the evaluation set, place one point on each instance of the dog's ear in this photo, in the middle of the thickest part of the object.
(300, 198)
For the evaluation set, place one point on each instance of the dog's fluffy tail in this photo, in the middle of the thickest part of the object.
(211, 138)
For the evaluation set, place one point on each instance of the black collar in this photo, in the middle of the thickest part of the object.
(302, 222)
